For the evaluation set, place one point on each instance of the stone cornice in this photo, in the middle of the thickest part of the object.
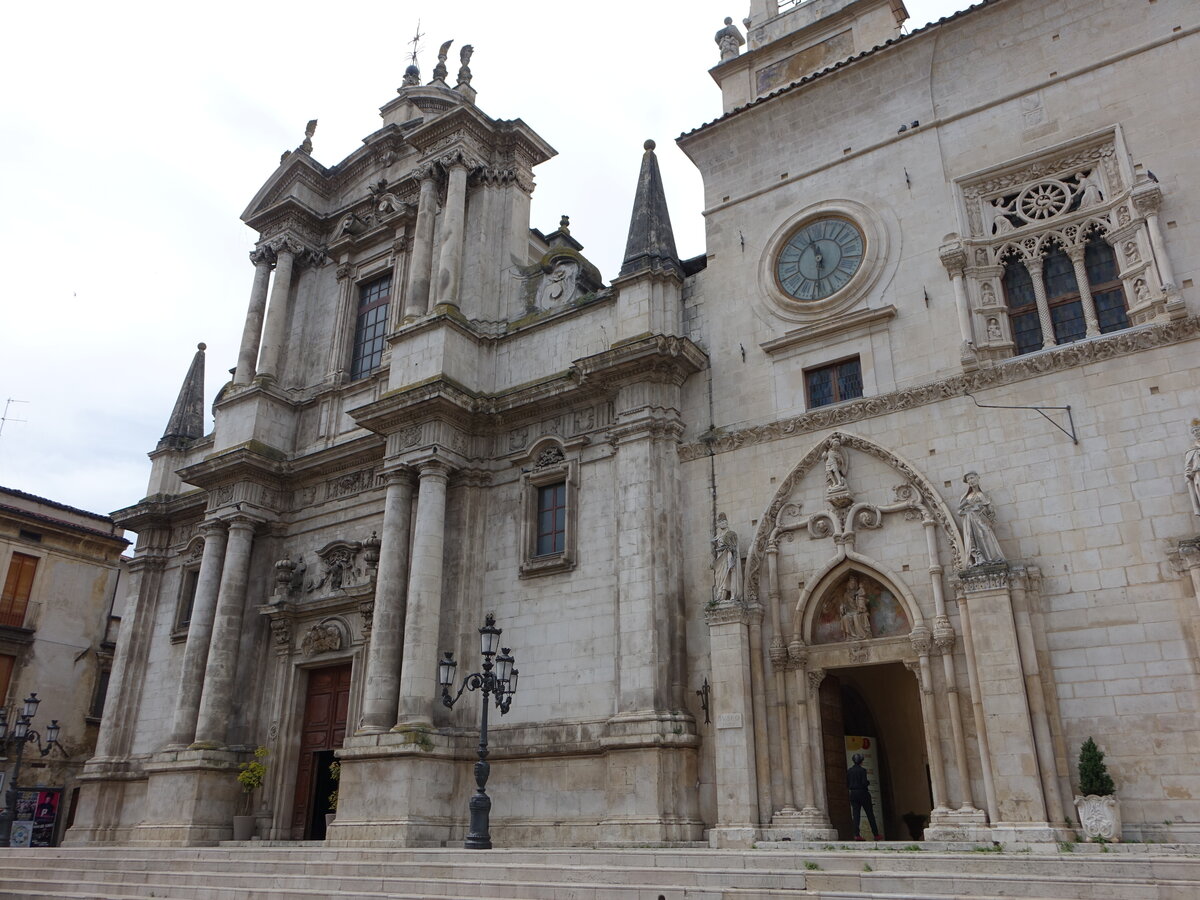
(250, 462)
(353, 454)
(807, 334)
(160, 510)
(1019, 368)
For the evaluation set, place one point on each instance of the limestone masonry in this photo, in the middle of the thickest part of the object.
(906, 465)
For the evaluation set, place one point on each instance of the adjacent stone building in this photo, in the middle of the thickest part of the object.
(897, 467)
(58, 625)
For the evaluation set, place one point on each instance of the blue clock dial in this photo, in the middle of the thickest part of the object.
(819, 259)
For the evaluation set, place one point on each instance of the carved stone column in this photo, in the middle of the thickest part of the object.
(1085, 290)
(423, 616)
(195, 653)
(1043, 305)
(422, 250)
(954, 258)
(922, 643)
(1147, 197)
(816, 743)
(382, 691)
(453, 226)
(264, 260)
(216, 699)
(276, 330)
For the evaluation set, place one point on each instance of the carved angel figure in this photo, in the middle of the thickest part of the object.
(978, 514)
(1191, 468)
(727, 563)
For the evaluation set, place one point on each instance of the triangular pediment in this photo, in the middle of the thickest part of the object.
(299, 178)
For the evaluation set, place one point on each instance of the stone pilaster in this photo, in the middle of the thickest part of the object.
(382, 694)
(216, 699)
(195, 653)
(422, 618)
(264, 261)
(449, 272)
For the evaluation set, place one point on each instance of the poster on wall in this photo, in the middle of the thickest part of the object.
(36, 817)
(868, 747)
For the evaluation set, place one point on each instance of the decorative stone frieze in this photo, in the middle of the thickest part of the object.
(994, 577)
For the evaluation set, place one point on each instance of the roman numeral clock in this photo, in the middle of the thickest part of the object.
(819, 258)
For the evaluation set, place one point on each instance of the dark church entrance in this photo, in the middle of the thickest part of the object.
(876, 710)
(326, 705)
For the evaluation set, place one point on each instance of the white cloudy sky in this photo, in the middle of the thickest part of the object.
(133, 135)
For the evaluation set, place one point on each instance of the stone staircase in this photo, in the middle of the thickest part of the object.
(257, 871)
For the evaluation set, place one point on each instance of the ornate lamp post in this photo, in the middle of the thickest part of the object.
(500, 684)
(22, 734)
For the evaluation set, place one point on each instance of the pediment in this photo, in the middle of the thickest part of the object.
(299, 179)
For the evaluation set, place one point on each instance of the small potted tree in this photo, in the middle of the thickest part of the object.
(250, 776)
(335, 774)
(1097, 806)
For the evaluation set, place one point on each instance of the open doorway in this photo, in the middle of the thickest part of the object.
(876, 710)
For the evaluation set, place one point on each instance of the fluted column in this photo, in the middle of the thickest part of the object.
(422, 250)
(422, 618)
(1085, 290)
(195, 652)
(216, 699)
(1034, 266)
(382, 691)
(264, 260)
(275, 332)
(453, 226)
(954, 258)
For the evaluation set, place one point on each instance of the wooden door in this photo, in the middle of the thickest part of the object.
(326, 705)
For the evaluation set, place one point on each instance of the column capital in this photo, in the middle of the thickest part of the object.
(815, 677)
(953, 256)
(1033, 264)
(1076, 252)
(402, 475)
(263, 256)
(434, 468)
(242, 522)
(1147, 197)
(921, 640)
(458, 158)
(210, 527)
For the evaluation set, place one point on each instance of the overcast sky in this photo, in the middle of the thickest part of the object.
(133, 135)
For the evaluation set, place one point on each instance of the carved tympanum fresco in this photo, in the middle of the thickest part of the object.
(858, 608)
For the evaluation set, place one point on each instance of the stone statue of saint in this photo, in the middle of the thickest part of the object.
(835, 466)
(727, 564)
(1191, 468)
(729, 40)
(978, 514)
(855, 615)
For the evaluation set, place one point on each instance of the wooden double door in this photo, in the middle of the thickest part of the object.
(326, 705)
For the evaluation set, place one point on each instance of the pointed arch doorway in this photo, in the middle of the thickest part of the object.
(875, 710)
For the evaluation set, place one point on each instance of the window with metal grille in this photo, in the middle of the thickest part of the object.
(833, 383)
(370, 328)
(18, 585)
(551, 518)
(1063, 297)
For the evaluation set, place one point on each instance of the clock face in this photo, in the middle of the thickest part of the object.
(819, 259)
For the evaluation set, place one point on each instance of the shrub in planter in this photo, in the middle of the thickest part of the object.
(1097, 805)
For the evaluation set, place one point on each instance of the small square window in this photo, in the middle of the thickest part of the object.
(833, 383)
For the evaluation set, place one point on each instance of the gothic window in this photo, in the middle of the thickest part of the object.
(833, 383)
(370, 328)
(18, 586)
(1061, 246)
(551, 497)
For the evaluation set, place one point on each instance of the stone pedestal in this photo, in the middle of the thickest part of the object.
(191, 798)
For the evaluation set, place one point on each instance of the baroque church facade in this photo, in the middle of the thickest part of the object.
(901, 466)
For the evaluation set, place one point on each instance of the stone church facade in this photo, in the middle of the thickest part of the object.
(901, 465)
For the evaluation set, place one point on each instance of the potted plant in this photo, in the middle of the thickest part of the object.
(250, 776)
(1097, 806)
(335, 773)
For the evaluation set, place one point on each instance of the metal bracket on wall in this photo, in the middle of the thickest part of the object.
(1040, 410)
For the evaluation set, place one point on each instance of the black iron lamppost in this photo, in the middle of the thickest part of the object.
(21, 735)
(500, 684)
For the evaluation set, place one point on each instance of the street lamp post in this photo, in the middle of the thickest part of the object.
(498, 680)
(22, 734)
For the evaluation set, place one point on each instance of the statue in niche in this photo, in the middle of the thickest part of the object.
(855, 615)
(994, 333)
(1191, 468)
(835, 466)
(729, 40)
(560, 285)
(988, 294)
(978, 515)
(727, 563)
(1142, 291)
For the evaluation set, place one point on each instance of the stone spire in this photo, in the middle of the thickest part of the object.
(651, 243)
(187, 418)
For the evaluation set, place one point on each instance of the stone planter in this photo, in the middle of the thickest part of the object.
(243, 828)
(1099, 817)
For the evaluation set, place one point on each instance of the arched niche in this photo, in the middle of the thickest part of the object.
(824, 613)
